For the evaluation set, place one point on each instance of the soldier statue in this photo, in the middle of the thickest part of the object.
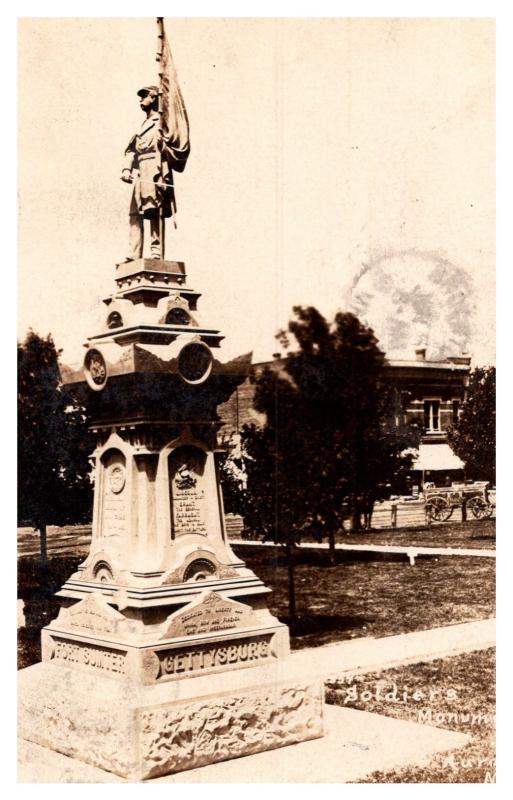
(150, 159)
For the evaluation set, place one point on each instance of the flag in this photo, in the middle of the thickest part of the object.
(173, 114)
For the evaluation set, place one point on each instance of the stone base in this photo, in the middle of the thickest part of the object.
(141, 732)
(356, 744)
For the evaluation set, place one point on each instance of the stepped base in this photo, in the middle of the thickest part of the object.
(141, 732)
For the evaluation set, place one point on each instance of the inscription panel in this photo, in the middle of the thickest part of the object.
(114, 513)
(92, 614)
(189, 511)
(209, 613)
(92, 621)
(214, 657)
(103, 659)
(188, 491)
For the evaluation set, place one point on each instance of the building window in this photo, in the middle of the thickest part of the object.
(432, 415)
(455, 411)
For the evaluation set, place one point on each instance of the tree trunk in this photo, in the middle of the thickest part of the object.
(292, 584)
(43, 553)
(331, 539)
(356, 523)
(368, 516)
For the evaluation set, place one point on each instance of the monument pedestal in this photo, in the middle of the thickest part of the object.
(164, 655)
(141, 732)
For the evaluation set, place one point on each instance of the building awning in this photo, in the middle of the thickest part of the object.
(436, 457)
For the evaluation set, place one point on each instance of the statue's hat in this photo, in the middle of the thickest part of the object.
(148, 90)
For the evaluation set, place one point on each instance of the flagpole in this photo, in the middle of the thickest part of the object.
(160, 49)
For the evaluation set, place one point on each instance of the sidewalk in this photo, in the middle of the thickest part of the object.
(77, 542)
(368, 654)
(411, 551)
(356, 742)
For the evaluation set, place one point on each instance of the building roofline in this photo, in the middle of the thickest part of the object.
(393, 362)
(406, 362)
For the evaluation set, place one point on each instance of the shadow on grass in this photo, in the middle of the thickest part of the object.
(318, 624)
(36, 587)
(314, 558)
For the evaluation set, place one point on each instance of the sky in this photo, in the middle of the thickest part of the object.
(342, 163)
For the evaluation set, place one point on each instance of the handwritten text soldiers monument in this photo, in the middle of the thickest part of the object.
(164, 655)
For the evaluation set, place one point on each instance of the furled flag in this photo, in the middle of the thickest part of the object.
(174, 121)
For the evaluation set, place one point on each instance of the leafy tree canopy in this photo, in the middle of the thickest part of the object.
(472, 437)
(334, 433)
(54, 486)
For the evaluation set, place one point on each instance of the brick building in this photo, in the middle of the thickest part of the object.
(432, 393)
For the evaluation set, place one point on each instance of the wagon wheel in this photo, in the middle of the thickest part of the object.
(479, 508)
(438, 509)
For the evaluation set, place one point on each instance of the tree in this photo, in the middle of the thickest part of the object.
(54, 486)
(329, 442)
(472, 437)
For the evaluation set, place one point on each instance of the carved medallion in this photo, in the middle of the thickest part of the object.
(195, 362)
(95, 369)
(116, 478)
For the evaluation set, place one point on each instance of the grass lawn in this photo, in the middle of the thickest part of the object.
(456, 693)
(478, 534)
(357, 597)
(374, 597)
(475, 533)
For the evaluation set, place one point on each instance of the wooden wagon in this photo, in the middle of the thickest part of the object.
(440, 502)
